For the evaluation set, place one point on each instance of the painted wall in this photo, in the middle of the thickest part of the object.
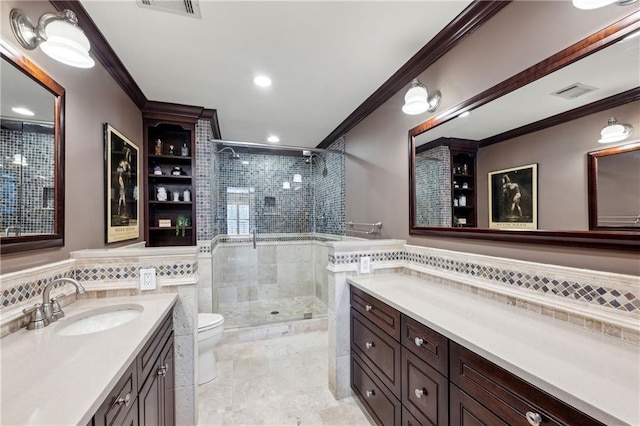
(92, 99)
(522, 34)
(561, 155)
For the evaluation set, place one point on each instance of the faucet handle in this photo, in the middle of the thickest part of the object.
(38, 319)
(56, 310)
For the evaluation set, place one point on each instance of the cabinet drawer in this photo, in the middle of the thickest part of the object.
(383, 407)
(379, 313)
(466, 411)
(431, 346)
(379, 351)
(506, 395)
(425, 392)
(146, 360)
(121, 400)
(408, 419)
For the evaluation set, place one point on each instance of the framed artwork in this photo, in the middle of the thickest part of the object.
(513, 198)
(122, 209)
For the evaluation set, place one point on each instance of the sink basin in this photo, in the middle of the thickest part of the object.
(100, 319)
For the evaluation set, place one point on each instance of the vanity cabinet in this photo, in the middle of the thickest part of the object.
(144, 395)
(169, 168)
(439, 381)
(507, 396)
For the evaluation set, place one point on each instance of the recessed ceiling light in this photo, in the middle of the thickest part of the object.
(273, 139)
(23, 111)
(245, 162)
(465, 114)
(262, 81)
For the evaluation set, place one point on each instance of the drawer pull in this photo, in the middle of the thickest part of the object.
(371, 393)
(418, 341)
(369, 345)
(126, 400)
(534, 419)
(420, 393)
(368, 308)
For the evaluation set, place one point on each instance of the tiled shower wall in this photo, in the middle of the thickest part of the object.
(26, 191)
(314, 205)
(329, 191)
(280, 267)
(433, 187)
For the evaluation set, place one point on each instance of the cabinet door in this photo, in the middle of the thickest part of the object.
(168, 385)
(120, 401)
(149, 398)
(466, 411)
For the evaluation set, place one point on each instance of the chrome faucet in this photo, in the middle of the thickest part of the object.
(51, 307)
(15, 229)
(254, 231)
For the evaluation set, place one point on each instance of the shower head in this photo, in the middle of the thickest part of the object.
(310, 160)
(233, 155)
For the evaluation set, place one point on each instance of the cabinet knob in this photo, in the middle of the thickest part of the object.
(371, 393)
(126, 400)
(418, 341)
(368, 307)
(162, 371)
(420, 393)
(369, 345)
(534, 419)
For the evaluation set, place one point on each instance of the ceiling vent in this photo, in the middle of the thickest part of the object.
(575, 90)
(189, 8)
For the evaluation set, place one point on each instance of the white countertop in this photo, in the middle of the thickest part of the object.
(62, 380)
(595, 373)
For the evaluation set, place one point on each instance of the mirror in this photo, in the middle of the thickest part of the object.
(31, 156)
(524, 136)
(614, 188)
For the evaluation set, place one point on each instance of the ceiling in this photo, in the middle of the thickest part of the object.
(325, 58)
(609, 71)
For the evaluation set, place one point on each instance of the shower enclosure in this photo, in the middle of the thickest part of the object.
(275, 209)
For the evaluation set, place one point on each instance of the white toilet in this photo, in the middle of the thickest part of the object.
(210, 328)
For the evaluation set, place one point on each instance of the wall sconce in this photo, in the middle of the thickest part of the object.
(595, 4)
(57, 34)
(417, 99)
(297, 178)
(615, 132)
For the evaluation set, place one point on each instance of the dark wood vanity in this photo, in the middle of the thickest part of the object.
(144, 395)
(405, 373)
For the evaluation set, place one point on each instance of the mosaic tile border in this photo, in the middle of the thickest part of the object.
(603, 296)
(28, 290)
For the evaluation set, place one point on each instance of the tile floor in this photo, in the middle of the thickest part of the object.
(243, 314)
(280, 381)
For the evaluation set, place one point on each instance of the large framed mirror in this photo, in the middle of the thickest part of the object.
(521, 138)
(31, 155)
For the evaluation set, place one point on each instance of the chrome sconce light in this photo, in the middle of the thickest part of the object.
(615, 132)
(57, 34)
(595, 4)
(417, 99)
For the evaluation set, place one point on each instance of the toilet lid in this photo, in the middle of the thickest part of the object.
(206, 321)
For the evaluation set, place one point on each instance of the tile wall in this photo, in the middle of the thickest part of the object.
(26, 189)
(433, 187)
(314, 205)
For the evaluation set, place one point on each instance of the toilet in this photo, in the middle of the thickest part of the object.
(210, 328)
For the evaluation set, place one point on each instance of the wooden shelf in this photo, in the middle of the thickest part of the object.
(175, 133)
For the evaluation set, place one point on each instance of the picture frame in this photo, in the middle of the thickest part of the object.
(513, 198)
(122, 183)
